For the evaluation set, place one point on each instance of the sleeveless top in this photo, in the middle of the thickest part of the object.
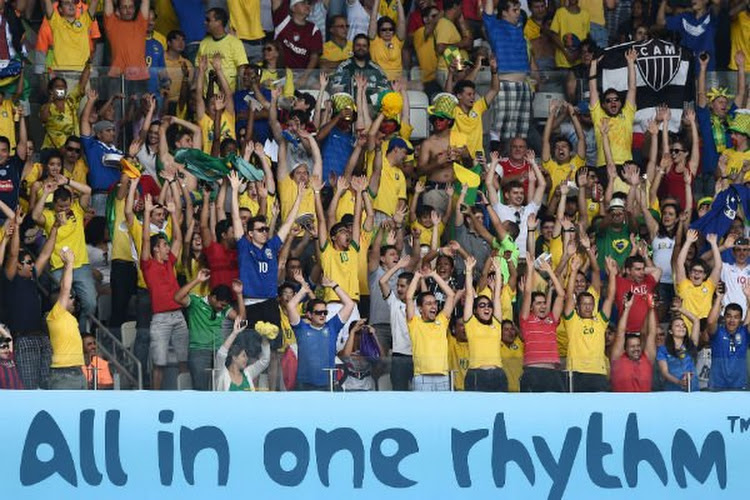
(663, 247)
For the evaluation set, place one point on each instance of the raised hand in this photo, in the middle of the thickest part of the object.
(631, 56)
(471, 262)
(237, 287)
(234, 180)
(316, 182)
(204, 275)
(359, 183)
(419, 187)
(148, 204)
(327, 282)
(692, 236)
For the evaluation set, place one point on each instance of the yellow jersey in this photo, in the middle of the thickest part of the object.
(512, 356)
(429, 345)
(696, 299)
(342, 266)
(586, 338)
(470, 124)
(484, 343)
(69, 235)
(458, 361)
(67, 345)
(620, 133)
(387, 55)
(207, 129)
(559, 173)
(392, 185)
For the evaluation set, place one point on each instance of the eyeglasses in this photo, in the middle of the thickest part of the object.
(675, 151)
(484, 305)
(612, 99)
(262, 229)
(322, 312)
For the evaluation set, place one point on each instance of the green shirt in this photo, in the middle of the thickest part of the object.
(613, 243)
(244, 386)
(205, 324)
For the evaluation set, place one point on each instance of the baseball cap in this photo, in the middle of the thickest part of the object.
(292, 3)
(398, 142)
(617, 203)
(103, 125)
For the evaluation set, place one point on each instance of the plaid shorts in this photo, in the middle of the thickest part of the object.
(511, 111)
(33, 356)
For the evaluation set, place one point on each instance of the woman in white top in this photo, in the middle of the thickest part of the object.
(663, 236)
(231, 362)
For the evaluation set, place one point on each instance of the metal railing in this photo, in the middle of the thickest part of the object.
(127, 364)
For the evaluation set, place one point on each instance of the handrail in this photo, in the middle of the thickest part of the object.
(112, 356)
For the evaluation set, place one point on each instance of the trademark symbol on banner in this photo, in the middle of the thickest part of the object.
(742, 425)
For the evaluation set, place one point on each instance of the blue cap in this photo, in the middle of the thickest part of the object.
(398, 142)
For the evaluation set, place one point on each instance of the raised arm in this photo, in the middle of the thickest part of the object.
(285, 228)
(631, 56)
(372, 29)
(716, 270)
(593, 90)
(182, 296)
(410, 306)
(712, 324)
(148, 206)
(611, 287)
(450, 294)
(401, 21)
(92, 96)
(109, 7)
(702, 100)
(66, 283)
(741, 98)
(679, 271)
(469, 286)
(292, 307)
(618, 346)
(237, 227)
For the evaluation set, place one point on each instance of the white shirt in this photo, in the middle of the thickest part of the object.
(519, 215)
(399, 330)
(663, 248)
(359, 19)
(735, 278)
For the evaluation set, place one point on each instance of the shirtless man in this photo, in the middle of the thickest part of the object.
(440, 150)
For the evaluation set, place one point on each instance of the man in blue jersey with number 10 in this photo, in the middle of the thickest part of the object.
(258, 259)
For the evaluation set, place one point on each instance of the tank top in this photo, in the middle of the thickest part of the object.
(244, 386)
(673, 186)
(663, 247)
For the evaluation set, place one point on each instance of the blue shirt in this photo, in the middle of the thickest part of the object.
(728, 354)
(507, 39)
(155, 62)
(10, 182)
(696, 34)
(337, 148)
(259, 268)
(709, 154)
(678, 365)
(316, 350)
(191, 14)
(101, 177)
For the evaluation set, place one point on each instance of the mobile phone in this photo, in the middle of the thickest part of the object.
(243, 324)
(721, 287)
(628, 295)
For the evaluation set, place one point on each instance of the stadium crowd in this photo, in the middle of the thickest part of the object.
(241, 179)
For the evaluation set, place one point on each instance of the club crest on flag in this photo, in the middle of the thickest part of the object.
(658, 62)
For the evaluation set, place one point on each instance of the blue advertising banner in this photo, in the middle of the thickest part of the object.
(378, 445)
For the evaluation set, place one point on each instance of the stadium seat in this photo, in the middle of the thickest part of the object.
(540, 107)
(128, 334)
(184, 382)
(418, 102)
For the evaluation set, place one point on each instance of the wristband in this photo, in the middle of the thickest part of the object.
(68, 183)
(335, 286)
(592, 77)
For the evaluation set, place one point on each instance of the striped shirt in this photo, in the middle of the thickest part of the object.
(540, 340)
(9, 378)
(507, 39)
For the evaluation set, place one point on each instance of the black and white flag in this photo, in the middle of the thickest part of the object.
(664, 75)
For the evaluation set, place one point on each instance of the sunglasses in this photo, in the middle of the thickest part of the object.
(484, 305)
(675, 151)
(612, 99)
(27, 262)
(262, 229)
(322, 312)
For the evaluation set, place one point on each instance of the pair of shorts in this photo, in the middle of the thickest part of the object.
(168, 328)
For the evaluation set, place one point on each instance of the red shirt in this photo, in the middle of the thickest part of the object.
(222, 263)
(161, 280)
(414, 20)
(299, 43)
(540, 340)
(511, 169)
(632, 376)
(639, 309)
